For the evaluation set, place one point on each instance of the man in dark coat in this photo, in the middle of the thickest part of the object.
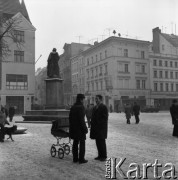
(136, 112)
(99, 127)
(78, 129)
(174, 115)
(11, 113)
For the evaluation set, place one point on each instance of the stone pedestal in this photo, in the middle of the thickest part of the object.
(54, 93)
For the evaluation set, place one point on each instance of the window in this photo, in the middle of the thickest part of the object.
(160, 62)
(175, 64)
(92, 60)
(19, 36)
(16, 82)
(138, 84)
(88, 61)
(96, 58)
(142, 54)
(161, 86)
(88, 73)
(143, 84)
(106, 69)
(105, 53)
(160, 74)
(176, 87)
(166, 74)
(125, 52)
(163, 47)
(88, 86)
(167, 87)
(154, 62)
(165, 63)
(126, 68)
(101, 69)
(155, 87)
(19, 56)
(176, 75)
(100, 56)
(96, 85)
(155, 74)
(92, 84)
(172, 87)
(92, 73)
(96, 71)
(170, 63)
(101, 83)
(143, 68)
(171, 75)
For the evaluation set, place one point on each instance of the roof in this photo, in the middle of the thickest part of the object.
(121, 39)
(173, 39)
(12, 7)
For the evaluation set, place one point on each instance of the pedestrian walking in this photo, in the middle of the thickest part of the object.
(136, 112)
(174, 115)
(110, 108)
(128, 112)
(88, 113)
(99, 127)
(78, 129)
(11, 113)
(3, 121)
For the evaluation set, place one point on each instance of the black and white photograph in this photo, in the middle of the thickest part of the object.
(88, 89)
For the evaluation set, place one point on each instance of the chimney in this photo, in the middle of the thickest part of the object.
(156, 40)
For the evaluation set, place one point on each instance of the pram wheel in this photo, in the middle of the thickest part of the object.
(66, 149)
(53, 151)
(60, 153)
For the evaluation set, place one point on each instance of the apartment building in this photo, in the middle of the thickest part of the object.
(17, 72)
(118, 68)
(70, 50)
(163, 69)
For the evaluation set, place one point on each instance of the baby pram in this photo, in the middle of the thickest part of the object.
(60, 132)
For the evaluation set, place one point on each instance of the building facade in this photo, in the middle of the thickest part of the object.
(70, 50)
(18, 68)
(164, 69)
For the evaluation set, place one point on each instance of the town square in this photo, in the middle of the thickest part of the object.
(88, 89)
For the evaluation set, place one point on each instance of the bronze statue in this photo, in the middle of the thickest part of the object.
(53, 67)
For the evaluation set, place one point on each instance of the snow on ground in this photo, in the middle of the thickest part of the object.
(28, 157)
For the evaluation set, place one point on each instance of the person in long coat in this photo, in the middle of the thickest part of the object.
(128, 112)
(11, 113)
(78, 129)
(174, 115)
(99, 127)
(136, 112)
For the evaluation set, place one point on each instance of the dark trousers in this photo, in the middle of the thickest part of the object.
(1, 132)
(10, 118)
(175, 130)
(78, 154)
(137, 118)
(101, 146)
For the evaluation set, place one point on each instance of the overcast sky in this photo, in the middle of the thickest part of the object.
(62, 21)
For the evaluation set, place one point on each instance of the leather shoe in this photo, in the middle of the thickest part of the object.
(75, 161)
(83, 161)
(102, 159)
(97, 158)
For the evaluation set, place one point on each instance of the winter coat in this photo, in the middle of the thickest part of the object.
(77, 125)
(128, 111)
(136, 109)
(174, 114)
(99, 122)
(11, 111)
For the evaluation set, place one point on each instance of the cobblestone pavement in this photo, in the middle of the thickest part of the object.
(28, 157)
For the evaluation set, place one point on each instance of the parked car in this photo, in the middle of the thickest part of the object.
(150, 109)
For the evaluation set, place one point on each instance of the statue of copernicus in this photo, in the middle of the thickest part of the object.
(53, 67)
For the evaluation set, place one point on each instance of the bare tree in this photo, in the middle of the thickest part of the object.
(7, 29)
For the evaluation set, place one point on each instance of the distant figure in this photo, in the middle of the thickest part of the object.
(174, 115)
(3, 121)
(110, 108)
(4, 110)
(128, 112)
(78, 129)
(136, 112)
(53, 67)
(88, 113)
(11, 113)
